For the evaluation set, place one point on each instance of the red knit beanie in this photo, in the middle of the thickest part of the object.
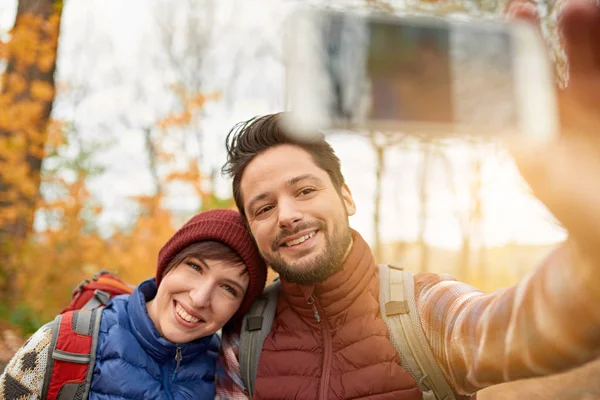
(227, 227)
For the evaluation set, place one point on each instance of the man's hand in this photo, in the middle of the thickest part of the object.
(565, 174)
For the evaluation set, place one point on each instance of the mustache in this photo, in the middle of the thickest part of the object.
(298, 228)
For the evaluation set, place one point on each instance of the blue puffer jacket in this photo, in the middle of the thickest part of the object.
(135, 362)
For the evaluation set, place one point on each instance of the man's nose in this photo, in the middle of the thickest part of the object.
(289, 213)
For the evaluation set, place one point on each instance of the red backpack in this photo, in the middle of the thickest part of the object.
(75, 338)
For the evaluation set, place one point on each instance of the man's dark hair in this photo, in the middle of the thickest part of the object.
(248, 139)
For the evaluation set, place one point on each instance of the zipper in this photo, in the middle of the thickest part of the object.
(327, 348)
(311, 302)
(178, 357)
(165, 373)
(165, 382)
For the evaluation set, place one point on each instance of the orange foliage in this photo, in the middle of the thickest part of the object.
(27, 92)
(56, 257)
(70, 248)
(191, 103)
(135, 253)
(41, 90)
(3, 50)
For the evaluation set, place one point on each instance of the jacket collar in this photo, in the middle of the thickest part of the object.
(159, 348)
(339, 291)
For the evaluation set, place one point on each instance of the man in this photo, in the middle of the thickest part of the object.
(328, 340)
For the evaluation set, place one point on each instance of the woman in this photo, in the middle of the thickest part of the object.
(160, 342)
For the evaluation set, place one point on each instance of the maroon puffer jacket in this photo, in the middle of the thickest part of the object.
(329, 341)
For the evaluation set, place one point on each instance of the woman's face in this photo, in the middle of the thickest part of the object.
(197, 297)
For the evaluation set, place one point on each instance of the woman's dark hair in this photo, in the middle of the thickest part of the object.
(250, 138)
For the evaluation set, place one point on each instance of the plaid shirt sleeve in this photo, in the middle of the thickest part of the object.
(546, 324)
(229, 384)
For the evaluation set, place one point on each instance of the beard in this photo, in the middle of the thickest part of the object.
(318, 268)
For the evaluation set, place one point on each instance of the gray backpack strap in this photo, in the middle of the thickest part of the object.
(55, 325)
(100, 298)
(256, 326)
(84, 323)
(399, 311)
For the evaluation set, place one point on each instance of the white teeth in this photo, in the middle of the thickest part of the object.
(299, 240)
(185, 315)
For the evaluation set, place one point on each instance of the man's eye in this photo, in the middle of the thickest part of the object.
(264, 210)
(306, 191)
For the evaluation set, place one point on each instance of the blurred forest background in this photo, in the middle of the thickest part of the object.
(112, 122)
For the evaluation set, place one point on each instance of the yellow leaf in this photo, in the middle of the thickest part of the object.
(42, 90)
(55, 134)
(16, 83)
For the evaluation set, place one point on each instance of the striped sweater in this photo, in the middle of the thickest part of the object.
(24, 375)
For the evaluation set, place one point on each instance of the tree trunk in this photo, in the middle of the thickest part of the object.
(28, 91)
(152, 159)
(476, 217)
(379, 166)
(423, 200)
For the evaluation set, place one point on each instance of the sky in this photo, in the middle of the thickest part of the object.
(112, 49)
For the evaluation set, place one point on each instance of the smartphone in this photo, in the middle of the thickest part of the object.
(417, 75)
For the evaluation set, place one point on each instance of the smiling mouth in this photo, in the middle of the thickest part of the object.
(299, 240)
(185, 316)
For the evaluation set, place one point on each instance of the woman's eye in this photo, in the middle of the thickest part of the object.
(195, 266)
(230, 290)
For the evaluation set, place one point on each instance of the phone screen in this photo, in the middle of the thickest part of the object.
(421, 72)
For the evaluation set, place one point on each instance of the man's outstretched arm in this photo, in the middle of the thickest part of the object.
(548, 323)
(551, 321)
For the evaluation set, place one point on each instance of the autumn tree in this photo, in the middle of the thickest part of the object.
(69, 242)
(27, 94)
(185, 37)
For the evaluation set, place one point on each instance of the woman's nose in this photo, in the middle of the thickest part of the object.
(201, 296)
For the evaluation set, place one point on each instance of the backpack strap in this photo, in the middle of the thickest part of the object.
(100, 298)
(399, 311)
(73, 355)
(256, 326)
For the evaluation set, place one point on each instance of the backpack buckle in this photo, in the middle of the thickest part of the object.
(79, 287)
(99, 274)
(102, 296)
(84, 282)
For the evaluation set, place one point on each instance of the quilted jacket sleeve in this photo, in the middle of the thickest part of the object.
(548, 323)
